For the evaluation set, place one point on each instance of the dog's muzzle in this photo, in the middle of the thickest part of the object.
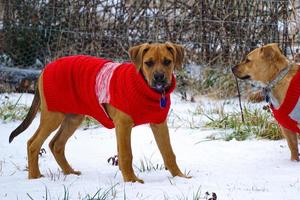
(234, 70)
(236, 73)
(159, 82)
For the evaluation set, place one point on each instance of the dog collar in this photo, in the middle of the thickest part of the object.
(267, 90)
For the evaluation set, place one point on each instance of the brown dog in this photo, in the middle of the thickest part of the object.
(155, 63)
(269, 66)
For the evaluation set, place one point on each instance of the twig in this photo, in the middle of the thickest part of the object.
(240, 101)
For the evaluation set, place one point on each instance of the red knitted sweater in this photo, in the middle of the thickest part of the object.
(69, 87)
(288, 114)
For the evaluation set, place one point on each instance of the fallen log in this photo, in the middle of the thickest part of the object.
(18, 80)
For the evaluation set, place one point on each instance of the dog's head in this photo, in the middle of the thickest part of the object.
(157, 62)
(261, 64)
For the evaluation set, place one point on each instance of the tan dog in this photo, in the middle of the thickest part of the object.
(156, 63)
(269, 66)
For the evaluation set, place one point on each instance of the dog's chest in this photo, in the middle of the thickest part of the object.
(272, 99)
(288, 113)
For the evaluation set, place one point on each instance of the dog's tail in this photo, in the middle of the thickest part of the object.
(29, 118)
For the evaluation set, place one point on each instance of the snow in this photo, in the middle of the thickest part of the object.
(251, 169)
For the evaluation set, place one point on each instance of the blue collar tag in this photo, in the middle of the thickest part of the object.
(163, 102)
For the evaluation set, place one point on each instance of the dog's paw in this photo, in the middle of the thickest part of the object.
(133, 179)
(184, 176)
(72, 172)
(35, 176)
(76, 173)
(67, 172)
(295, 158)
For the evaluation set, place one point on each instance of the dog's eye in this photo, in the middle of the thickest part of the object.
(149, 63)
(166, 62)
(247, 60)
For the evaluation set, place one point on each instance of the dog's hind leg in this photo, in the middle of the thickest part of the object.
(291, 138)
(48, 123)
(57, 144)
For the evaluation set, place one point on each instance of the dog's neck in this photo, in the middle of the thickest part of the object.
(276, 90)
(279, 76)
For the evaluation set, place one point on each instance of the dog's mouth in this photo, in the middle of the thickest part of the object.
(245, 77)
(160, 86)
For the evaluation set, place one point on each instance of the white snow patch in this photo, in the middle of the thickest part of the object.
(251, 169)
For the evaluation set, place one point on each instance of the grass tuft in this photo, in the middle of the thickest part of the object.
(10, 111)
(258, 123)
(1, 167)
(100, 194)
(146, 165)
(89, 123)
(56, 176)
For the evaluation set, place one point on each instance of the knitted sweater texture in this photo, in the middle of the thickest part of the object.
(288, 114)
(70, 87)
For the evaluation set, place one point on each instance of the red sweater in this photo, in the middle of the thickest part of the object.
(288, 114)
(70, 87)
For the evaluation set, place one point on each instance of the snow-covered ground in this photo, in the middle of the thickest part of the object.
(251, 169)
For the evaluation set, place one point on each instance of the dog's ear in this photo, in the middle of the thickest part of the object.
(136, 54)
(268, 52)
(178, 53)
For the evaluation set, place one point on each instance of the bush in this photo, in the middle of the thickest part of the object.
(218, 83)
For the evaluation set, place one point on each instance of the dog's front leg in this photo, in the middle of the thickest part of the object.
(123, 131)
(161, 134)
(292, 141)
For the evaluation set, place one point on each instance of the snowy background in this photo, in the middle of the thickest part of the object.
(251, 169)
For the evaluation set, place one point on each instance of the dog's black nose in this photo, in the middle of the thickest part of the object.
(159, 76)
(234, 68)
